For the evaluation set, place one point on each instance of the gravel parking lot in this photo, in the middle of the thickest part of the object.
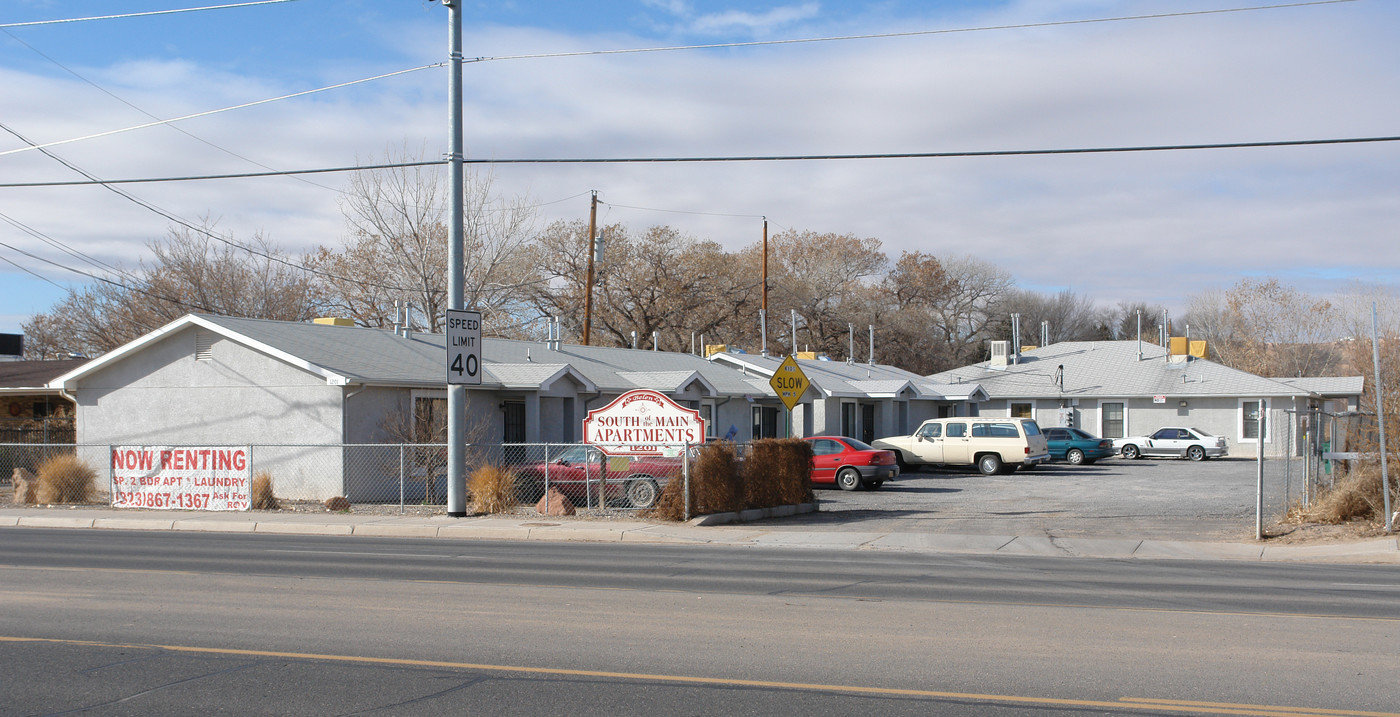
(1162, 499)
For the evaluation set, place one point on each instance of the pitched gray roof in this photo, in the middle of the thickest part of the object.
(838, 378)
(378, 356)
(1112, 369)
(1329, 385)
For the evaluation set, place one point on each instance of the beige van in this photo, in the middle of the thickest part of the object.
(994, 445)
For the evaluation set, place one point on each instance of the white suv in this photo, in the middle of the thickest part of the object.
(994, 445)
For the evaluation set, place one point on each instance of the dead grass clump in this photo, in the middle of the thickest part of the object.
(1355, 497)
(338, 504)
(714, 485)
(777, 471)
(492, 488)
(65, 479)
(262, 497)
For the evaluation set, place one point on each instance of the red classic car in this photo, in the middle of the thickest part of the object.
(580, 471)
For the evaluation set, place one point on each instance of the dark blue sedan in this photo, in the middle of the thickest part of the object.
(1076, 446)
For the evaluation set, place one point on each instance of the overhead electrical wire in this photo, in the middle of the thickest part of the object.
(197, 228)
(908, 33)
(144, 14)
(743, 158)
(177, 128)
(221, 109)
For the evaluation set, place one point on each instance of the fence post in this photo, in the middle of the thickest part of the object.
(403, 477)
(546, 474)
(685, 482)
(1259, 481)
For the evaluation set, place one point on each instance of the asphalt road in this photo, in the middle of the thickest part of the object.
(1148, 498)
(115, 623)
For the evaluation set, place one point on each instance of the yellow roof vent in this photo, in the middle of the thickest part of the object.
(333, 321)
(1198, 349)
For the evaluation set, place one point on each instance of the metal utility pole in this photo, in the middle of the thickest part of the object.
(588, 276)
(763, 309)
(456, 265)
(1380, 419)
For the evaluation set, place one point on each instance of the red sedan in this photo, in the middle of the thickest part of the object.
(849, 463)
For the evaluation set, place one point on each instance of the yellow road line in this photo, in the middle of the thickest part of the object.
(1123, 703)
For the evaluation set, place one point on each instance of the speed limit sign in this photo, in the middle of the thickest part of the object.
(464, 347)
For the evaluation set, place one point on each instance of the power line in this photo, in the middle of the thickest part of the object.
(122, 100)
(910, 33)
(222, 109)
(143, 14)
(683, 211)
(738, 158)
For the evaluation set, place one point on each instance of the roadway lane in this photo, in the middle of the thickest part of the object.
(659, 627)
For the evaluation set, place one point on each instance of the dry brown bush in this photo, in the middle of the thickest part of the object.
(338, 504)
(1355, 497)
(492, 488)
(65, 479)
(777, 471)
(262, 497)
(714, 485)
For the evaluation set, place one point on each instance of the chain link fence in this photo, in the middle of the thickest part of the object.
(416, 474)
(1318, 449)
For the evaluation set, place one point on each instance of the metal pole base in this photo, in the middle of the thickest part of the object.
(455, 514)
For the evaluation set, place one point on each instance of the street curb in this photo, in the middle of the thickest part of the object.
(752, 514)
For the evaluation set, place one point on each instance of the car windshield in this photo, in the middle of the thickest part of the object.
(858, 445)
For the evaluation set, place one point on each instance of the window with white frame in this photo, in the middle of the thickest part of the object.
(1253, 422)
(1112, 416)
(1022, 410)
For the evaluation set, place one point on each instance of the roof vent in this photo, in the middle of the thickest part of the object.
(203, 345)
(333, 321)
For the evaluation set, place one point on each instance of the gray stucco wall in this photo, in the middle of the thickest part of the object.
(163, 396)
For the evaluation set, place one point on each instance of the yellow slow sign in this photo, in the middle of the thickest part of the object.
(789, 382)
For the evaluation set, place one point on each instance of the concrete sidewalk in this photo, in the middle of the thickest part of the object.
(1380, 550)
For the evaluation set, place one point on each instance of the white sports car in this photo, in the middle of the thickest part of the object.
(1190, 443)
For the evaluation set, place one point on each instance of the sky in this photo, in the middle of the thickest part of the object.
(1156, 227)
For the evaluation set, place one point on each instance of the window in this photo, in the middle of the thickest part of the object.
(957, 430)
(1022, 410)
(1112, 420)
(429, 420)
(994, 430)
(825, 447)
(1253, 422)
(931, 430)
(707, 414)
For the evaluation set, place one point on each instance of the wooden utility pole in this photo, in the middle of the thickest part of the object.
(592, 249)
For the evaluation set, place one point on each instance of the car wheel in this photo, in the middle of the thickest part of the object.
(848, 479)
(989, 464)
(642, 492)
(1131, 452)
(1196, 453)
(899, 461)
(1075, 457)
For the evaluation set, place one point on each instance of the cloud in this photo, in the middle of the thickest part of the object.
(1150, 226)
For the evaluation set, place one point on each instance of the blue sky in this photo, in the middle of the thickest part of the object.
(1153, 227)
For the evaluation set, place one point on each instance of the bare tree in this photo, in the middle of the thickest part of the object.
(1267, 328)
(1122, 321)
(828, 279)
(189, 272)
(662, 281)
(1067, 316)
(397, 248)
